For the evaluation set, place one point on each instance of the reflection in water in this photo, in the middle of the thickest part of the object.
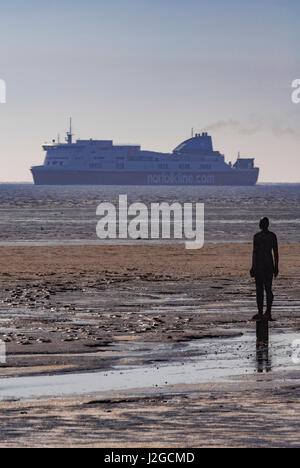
(262, 347)
(263, 359)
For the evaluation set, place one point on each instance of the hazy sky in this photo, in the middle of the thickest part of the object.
(146, 71)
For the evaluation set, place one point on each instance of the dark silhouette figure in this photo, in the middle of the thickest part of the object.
(264, 268)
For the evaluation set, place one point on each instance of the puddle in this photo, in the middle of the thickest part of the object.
(13, 313)
(171, 308)
(208, 361)
(83, 322)
(6, 330)
(161, 300)
(235, 306)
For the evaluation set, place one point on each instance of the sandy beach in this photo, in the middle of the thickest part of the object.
(113, 263)
(72, 309)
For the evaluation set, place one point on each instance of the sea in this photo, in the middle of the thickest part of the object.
(52, 215)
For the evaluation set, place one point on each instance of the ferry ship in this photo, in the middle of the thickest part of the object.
(101, 162)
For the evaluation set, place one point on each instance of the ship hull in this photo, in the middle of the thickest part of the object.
(45, 176)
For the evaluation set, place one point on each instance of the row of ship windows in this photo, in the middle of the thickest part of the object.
(122, 166)
(132, 158)
(160, 166)
(185, 166)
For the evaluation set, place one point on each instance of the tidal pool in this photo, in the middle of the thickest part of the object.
(210, 361)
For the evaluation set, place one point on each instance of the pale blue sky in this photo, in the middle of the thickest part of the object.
(146, 71)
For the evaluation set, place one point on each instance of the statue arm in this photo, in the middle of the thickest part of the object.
(276, 255)
(254, 256)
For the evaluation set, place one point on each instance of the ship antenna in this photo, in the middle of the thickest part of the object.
(69, 133)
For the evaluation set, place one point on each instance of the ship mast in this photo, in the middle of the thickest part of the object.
(69, 138)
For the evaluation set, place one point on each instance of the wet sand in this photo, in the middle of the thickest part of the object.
(207, 418)
(88, 308)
